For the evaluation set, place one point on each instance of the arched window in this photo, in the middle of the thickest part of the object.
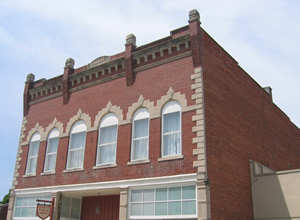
(140, 135)
(33, 153)
(107, 141)
(52, 145)
(77, 145)
(171, 129)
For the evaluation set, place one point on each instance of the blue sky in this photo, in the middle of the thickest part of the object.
(38, 36)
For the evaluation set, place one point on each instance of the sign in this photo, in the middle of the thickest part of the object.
(43, 211)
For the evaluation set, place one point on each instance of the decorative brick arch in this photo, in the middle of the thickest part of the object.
(79, 116)
(55, 124)
(108, 109)
(37, 128)
(141, 103)
(172, 96)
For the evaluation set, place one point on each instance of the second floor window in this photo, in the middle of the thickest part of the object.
(76, 145)
(140, 135)
(52, 145)
(33, 153)
(107, 141)
(171, 129)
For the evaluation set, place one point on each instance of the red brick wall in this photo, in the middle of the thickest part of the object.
(242, 123)
(152, 84)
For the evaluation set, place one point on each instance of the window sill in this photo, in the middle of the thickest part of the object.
(29, 175)
(105, 166)
(48, 173)
(138, 162)
(176, 157)
(73, 170)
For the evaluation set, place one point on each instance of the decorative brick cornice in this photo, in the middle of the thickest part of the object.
(47, 89)
(152, 51)
(99, 70)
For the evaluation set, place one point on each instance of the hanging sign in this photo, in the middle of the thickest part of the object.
(43, 211)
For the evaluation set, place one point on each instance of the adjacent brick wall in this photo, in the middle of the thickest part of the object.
(242, 123)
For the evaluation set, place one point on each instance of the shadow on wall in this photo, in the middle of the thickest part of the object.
(275, 195)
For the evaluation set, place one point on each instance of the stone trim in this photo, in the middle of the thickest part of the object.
(203, 188)
(39, 129)
(123, 203)
(79, 116)
(141, 103)
(55, 124)
(199, 129)
(108, 109)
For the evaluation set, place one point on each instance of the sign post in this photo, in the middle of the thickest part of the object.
(43, 211)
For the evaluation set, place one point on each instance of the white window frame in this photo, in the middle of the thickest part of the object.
(33, 198)
(36, 137)
(148, 217)
(54, 134)
(108, 120)
(78, 128)
(140, 114)
(169, 108)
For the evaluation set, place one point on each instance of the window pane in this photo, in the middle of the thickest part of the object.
(171, 122)
(188, 192)
(25, 201)
(161, 194)
(189, 207)
(18, 212)
(148, 195)
(77, 140)
(108, 134)
(50, 162)
(64, 212)
(136, 195)
(52, 145)
(76, 159)
(34, 148)
(76, 203)
(24, 212)
(136, 209)
(175, 193)
(161, 208)
(107, 154)
(19, 201)
(148, 209)
(75, 213)
(140, 149)
(66, 201)
(31, 212)
(174, 208)
(140, 128)
(32, 201)
(171, 144)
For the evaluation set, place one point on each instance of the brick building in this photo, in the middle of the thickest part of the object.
(160, 131)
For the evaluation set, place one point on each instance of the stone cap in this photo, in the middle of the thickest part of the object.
(70, 63)
(30, 78)
(194, 15)
(130, 40)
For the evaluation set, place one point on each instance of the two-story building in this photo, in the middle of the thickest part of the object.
(159, 131)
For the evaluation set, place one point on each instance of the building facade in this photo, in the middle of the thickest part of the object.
(160, 131)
